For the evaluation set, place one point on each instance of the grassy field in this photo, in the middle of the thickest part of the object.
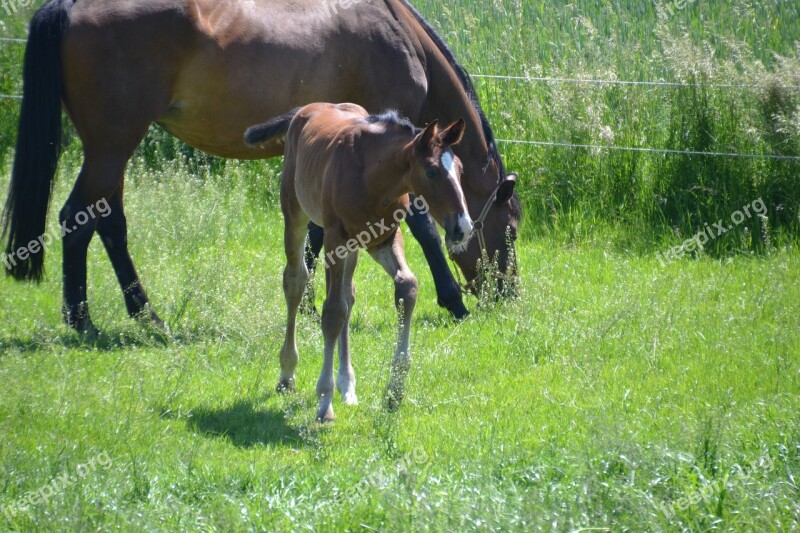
(617, 393)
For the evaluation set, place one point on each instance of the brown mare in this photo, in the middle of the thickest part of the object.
(351, 172)
(204, 71)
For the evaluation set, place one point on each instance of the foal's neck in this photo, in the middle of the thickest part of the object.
(388, 171)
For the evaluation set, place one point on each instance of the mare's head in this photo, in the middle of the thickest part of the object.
(435, 178)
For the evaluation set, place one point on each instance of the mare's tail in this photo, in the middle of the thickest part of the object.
(38, 142)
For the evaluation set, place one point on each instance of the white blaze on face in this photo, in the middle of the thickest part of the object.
(449, 164)
(465, 223)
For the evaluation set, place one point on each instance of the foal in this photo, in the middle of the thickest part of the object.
(351, 173)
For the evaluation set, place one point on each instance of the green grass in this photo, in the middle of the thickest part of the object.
(615, 393)
(612, 389)
(639, 198)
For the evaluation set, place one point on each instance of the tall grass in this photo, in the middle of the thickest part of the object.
(637, 200)
(636, 194)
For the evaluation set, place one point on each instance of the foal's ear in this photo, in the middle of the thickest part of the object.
(506, 189)
(424, 139)
(454, 132)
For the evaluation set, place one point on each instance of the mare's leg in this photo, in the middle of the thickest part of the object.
(334, 316)
(113, 230)
(135, 92)
(100, 178)
(295, 275)
(346, 382)
(392, 258)
(313, 245)
(313, 248)
(423, 228)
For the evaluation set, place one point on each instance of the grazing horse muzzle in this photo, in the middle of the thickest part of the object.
(472, 259)
(458, 232)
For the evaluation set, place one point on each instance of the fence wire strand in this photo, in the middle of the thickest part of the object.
(587, 81)
(591, 81)
(649, 150)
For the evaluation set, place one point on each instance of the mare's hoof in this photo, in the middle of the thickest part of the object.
(392, 401)
(87, 330)
(311, 312)
(149, 319)
(457, 309)
(307, 306)
(325, 416)
(82, 324)
(285, 387)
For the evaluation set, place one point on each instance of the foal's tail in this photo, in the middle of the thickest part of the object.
(38, 142)
(275, 127)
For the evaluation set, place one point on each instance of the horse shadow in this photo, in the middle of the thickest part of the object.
(105, 340)
(244, 425)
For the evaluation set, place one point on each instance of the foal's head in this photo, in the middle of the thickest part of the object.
(435, 177)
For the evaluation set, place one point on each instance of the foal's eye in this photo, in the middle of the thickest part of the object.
(431, 173)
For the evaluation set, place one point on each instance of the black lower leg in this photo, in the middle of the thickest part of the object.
(313, 245)
(113, 230)
(313, 248)
(447, 290)
(75, 240)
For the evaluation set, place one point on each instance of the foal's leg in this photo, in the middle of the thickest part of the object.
(448, 292)
(295, 276)
(392, 258)
(113, 230)
(423, 228)
(334, 316)
(346, 382)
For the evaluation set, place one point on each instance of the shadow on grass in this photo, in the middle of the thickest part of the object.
(105, 340)
(244, 425)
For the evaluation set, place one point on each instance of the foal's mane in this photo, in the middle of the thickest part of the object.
(391, 116)
(469, 88)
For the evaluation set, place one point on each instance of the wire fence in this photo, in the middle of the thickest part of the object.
(649, 150)
(591, 81)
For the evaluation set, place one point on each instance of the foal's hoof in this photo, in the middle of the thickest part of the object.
(285, 387)
(350, 398)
